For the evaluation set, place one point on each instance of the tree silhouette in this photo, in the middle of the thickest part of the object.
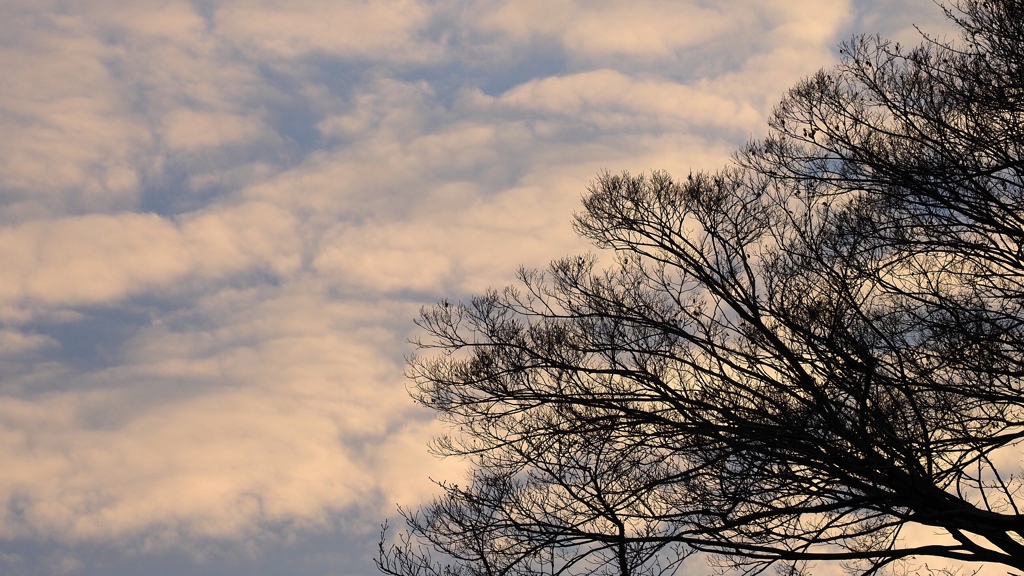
(815, 354)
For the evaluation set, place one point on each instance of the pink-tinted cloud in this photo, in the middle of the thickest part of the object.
(219, 219)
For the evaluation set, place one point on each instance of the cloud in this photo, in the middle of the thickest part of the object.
(611, 100)
(67, 140)
(218, 465)
(100, 258)
(190, 131)
(591, 31)
(103, 103)
(466, 244)
(384, 30)
(219, 220)
(643, 28)
(264, 414)
(13, 342)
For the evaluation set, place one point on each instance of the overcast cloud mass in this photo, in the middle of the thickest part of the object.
(219, 218)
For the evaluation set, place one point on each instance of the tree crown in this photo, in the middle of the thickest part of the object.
(799, 358)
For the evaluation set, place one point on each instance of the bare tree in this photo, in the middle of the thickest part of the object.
(793, 360)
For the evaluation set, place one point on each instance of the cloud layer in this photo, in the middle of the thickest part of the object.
(219, 219)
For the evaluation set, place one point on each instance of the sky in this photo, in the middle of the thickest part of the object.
(219, 218)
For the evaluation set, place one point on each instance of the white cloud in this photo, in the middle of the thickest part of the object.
(99, 259)
(270, 411)
(101, 100)
(188, 130)
(611, 100)
(590, 31)
(461, 244)
(13, 342)
(380, 30)
(218, 466)
(67, 139)
(88, 258)
(593, 29)
(446, 143)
